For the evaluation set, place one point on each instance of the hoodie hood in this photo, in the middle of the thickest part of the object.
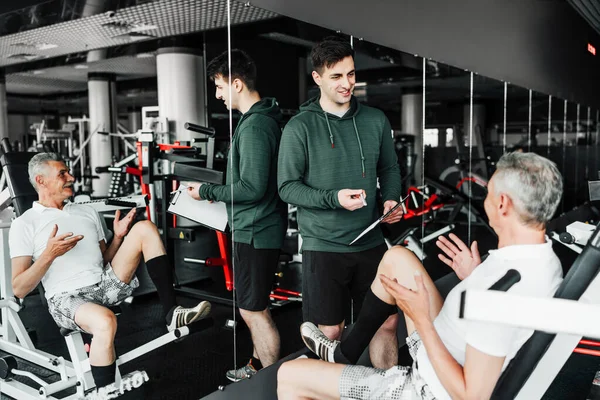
(267, 106)
(313, 105)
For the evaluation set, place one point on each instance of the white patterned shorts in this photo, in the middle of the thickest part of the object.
(397, 383)
(109, 291)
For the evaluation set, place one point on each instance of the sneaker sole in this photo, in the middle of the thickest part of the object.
(232, 379)
(202, 310)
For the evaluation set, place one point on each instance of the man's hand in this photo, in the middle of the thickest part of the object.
(414, 303)
(394, 216)
(462, 260)
(350, 198)
(121, 227)
(192, 190)
(59, 245)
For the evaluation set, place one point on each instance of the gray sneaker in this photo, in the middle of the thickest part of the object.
(317, 342)
(245, 372)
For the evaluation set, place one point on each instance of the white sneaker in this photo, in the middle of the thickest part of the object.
(185, 316)
(317, 342)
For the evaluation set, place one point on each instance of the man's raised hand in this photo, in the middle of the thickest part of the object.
(121, 226)
(458, 256)
(59, 245)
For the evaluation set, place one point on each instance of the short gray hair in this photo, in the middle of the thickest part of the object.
(533, 183)
(38, 163)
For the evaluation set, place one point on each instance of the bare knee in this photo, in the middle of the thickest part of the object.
(333, 332)
(398, 262)
(144, 228)
(286, 376)
(105, 326)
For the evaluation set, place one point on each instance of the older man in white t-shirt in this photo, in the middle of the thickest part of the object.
(62, 244)
(453, 358)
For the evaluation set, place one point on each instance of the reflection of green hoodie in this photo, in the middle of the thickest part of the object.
(259, 216)
(320, 154)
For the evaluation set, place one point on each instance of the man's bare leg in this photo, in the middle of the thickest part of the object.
(265, 335)
(143, 239)
(383, 349)
(333, 332)
(401, 264)
(102, 324)
(308, 379)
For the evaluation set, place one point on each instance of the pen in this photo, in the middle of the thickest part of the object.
(180, 189)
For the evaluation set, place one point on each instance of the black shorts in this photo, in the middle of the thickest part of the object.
(254, 275)
(330, 280)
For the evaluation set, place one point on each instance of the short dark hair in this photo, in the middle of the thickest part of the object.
(242, 67)
(329, 52)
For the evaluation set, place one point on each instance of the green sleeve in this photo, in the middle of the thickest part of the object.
(388, 169)
(256, 148)
(290, 175)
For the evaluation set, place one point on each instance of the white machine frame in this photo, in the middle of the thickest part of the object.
(15, 340)
(569, 319)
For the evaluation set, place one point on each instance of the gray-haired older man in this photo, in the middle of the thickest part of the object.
(62, 244)
(453, 358)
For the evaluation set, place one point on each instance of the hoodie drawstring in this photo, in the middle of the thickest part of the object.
(362, 156)
(329, 128)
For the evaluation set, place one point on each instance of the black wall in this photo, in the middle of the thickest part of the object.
(537, 44)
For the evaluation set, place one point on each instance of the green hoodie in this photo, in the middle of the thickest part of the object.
(320, 154)
(258, 215)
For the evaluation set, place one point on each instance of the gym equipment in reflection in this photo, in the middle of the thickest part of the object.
(442, 207)
(163, 167)
(16, 379)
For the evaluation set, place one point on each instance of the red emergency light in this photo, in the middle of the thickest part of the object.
(591, 49)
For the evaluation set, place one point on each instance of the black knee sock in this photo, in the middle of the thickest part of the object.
(104, 375)
(372, 315)
(161, 273)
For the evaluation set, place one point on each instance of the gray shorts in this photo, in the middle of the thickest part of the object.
(109, 291)
(397, 383)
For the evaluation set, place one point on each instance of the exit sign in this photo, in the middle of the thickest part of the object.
(591, 49)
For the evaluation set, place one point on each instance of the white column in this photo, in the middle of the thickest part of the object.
(134, 120)
(412, 123)
(3, 108)
(181, 95)
(103, 118)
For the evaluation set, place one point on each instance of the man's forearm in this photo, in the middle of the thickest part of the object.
(110, 252)
(448, 370)
(26, 281)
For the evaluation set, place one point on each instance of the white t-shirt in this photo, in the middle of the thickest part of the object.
(541, 274)
(82, 265)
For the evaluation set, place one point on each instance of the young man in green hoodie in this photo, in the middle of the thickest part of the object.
(332, 155)
(257, 215)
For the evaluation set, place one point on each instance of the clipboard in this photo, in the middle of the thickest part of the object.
(378, 221)
(210, 214)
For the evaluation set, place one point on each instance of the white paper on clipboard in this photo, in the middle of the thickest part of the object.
(212, 215)
(378, 221)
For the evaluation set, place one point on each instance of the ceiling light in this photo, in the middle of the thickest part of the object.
(81, 66)
(38, 71)
(360, 84)
(142, 27)
(37, 46)
(144, 55)
(23, 56)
